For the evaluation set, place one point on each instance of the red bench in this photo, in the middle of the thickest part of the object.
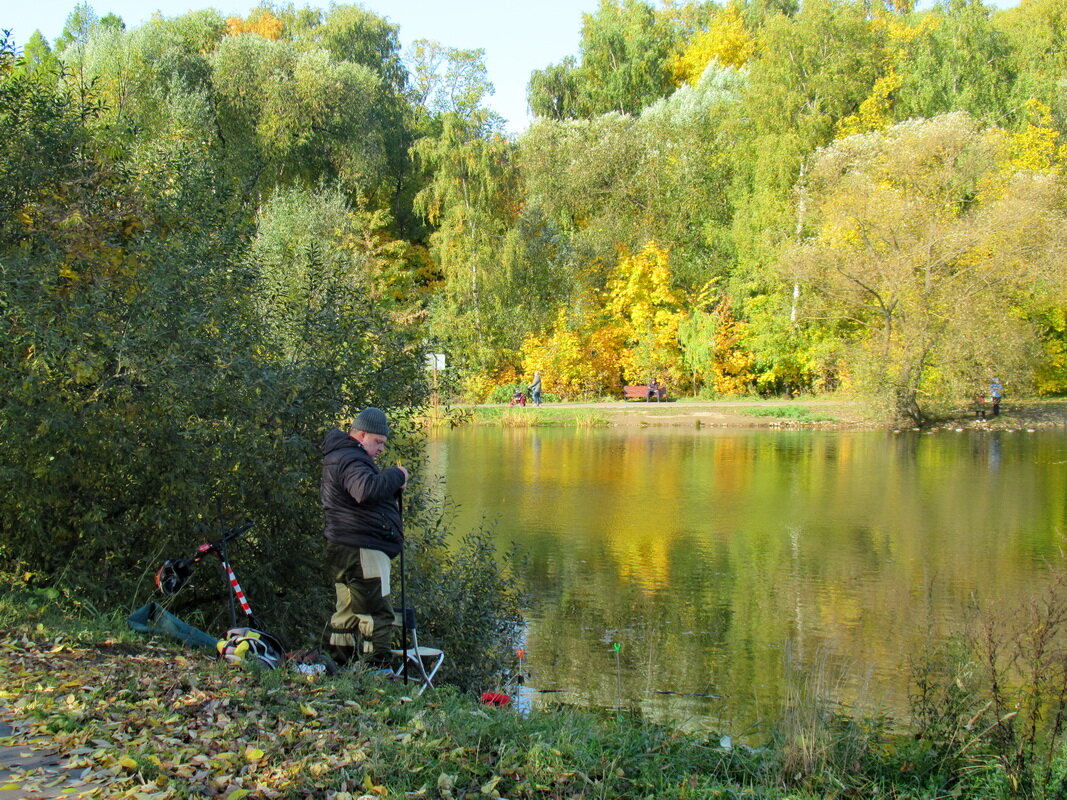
(659, 394)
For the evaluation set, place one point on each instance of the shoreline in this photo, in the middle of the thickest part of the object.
(829, 414)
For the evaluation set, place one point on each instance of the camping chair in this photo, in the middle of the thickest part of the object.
(415, 661)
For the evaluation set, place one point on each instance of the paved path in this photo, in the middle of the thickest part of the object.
(29, 774)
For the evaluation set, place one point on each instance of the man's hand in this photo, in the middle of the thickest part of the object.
(404, 470)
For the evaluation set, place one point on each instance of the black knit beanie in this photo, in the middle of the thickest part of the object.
(372, 420)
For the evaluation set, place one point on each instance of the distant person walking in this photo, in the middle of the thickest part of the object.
(996, 392)
(535, 389)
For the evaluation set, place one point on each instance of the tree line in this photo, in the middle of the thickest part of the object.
(770, 198)
(744, 198)
(219, 235)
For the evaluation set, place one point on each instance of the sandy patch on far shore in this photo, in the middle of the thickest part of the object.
(838, 414)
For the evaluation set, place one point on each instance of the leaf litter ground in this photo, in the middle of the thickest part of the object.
(150, 722)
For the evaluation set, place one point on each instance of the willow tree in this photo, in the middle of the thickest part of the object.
(812, 70)
(959, 61)
(926, 244)
(618, 181)
(626, 51)
(470, 201)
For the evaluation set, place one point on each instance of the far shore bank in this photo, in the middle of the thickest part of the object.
(833, 414)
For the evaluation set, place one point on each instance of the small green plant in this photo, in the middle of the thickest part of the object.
(505, 393)
(532, 417)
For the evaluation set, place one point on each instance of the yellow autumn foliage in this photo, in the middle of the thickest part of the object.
(733, 371)
(646, 312)
(574, 362)
(727, 41)
(1036, 147)
(1051, 377)
(477, 387)
(260, 22)
(875, 112)
(633, 338)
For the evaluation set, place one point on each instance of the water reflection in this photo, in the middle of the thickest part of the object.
(685, 571)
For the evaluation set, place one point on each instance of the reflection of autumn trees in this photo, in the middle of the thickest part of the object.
(709, 555)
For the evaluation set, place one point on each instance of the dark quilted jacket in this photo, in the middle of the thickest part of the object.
(360, 500)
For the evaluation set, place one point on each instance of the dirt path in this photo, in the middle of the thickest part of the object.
(725, 413)
(826, 414)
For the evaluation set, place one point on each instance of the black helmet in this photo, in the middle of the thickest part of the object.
(243, 645)
(173, 575)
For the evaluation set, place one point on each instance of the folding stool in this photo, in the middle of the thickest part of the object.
(425, 660)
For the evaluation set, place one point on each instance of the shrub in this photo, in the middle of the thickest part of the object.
(468, 598)
(990, 709)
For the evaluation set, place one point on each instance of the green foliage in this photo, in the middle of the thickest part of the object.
(322, 102)
(615, 182)
(625, 64)
(39, 137)
(283, 114)
(812, 69)
(79, 26)
(1052, 374)
(960, 62)
(468, 598)
(487, 239)
(696, 334)
(350, 33)
(447, 80)
(481, 306)
(145, 403)
(505, 392)
(554, 91)
(798, 413)
(912, 231)
(321, 268)
(1035, 38)
(989, 706)
(37, 57)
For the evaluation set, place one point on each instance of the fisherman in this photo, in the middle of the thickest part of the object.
(364, 530)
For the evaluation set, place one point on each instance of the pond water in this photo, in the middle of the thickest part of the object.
(705, 575)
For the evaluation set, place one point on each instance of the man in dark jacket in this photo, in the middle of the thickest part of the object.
(364, 530)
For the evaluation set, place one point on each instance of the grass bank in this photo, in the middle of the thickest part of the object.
(818, 413)
(145, 719)
(572, 416)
